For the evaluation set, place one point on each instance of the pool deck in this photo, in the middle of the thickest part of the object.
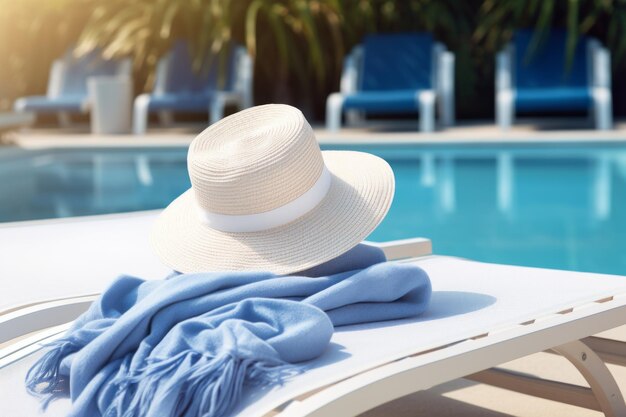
(400, 131)
(459, 397)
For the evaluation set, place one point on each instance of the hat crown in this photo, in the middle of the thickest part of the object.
(254, 161)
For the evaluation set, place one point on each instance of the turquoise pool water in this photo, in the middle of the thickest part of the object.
(560, 207)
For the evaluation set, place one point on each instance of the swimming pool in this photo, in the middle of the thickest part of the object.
(559, 207)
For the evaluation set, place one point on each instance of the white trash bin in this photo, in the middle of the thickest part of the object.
(111, 101)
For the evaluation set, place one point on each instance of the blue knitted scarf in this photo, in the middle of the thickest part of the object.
(190, 344)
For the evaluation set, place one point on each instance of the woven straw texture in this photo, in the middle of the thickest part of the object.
(254, 161)
(282, 156)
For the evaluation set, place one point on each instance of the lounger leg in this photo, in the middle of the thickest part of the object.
(166, 117)
(354, 117)
(426, 103)
(64, 119)
(140, 116)
(246, 101)
(446, 88)
(504, 109)
(602, 383)
(216, 109)
(334, 106)
(602, 106)
(603, 395)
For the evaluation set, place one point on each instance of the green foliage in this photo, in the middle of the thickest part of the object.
(604, 19)
(298, 45)
(447, 19)
(32, 34)
(287, 36)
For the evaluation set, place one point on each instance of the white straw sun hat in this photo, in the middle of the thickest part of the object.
(264, 197)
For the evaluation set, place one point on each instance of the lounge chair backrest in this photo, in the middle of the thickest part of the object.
(546, 65)
(397, 62)
(176, 74)
(68, 76)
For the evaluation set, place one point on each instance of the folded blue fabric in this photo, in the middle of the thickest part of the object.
(187, 345)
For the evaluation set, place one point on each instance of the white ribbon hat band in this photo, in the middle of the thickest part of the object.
(273, 218)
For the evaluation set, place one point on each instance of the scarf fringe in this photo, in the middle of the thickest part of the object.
(43, 379)
(209, 387)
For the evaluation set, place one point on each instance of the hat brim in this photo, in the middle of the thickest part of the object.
(359, 197)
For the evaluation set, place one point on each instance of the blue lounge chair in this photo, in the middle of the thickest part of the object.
(540, 80)
(395, 73)
(178, 89)
(67, 84)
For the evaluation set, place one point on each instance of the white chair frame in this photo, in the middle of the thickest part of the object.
(599, 81)
(241, 95)
(442, 94)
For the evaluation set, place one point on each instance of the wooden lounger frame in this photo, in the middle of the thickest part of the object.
(567, 333)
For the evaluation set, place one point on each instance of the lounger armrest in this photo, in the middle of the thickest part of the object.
(28, 319)
(405, 248)
(350, 73)
(243, 83)
(599, 82)
(601, 61)
(504, 70)
(505, 88)
(56, 79)
(162, 74)
(445, 86)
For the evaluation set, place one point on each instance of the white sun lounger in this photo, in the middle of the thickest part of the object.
(481, 315)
